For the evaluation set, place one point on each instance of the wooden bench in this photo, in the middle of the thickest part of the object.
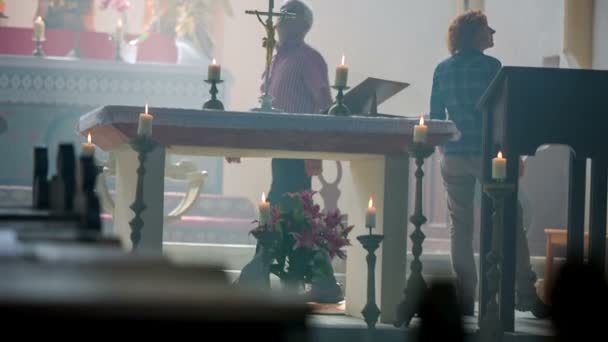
(555, 237)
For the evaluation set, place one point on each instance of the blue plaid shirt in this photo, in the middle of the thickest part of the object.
(458, 84)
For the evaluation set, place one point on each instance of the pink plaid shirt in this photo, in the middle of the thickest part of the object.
(299, 81)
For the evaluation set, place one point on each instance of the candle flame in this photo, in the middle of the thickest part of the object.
(343, 60)
(214, 62)
(89, 138)
(421, 120)
(499, 155)
(39, 19)
(370, 204)
(263, 197)
(146, 110)
(119, 23)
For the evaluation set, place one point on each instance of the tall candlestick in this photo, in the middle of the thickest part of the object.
(370, 214)
(420, 131)
(145, 123)
(264, 208)
(341, 74)
(39, 28)
(499, 167)
(88, 148)
(214, 71)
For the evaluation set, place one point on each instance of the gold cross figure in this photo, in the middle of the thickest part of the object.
(269, 42)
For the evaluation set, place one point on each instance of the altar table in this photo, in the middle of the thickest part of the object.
(376, 147)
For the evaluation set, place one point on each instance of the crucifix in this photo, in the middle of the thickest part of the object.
(269, 42)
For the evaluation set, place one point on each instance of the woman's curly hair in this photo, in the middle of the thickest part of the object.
(463, 30)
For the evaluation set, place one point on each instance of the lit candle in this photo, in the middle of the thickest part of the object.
(264, 208)
(145, 123)
(341, 74)
(420, 131)
(88, 148)
(214, 71)
(499, 167)
(39, 29)
(119, 30)
(370, 214)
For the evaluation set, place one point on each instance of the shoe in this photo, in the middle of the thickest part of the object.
(325, 293)
(534, 304)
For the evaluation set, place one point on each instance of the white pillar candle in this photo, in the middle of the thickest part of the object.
(420, 131)
(145, 123)
(264, 209)
(499, 167)
(39, 28)
(214, 71)
(88, 148)
(341, 74)
(119, 30)
(370, 214)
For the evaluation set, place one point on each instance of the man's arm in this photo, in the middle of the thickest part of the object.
(437, 99)
(316, 80)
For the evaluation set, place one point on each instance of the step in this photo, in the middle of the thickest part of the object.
(234, 257)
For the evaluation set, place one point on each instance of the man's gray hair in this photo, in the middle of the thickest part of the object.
(301, 8)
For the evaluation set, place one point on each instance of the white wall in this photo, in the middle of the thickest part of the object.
(600, 35)
(526, 31)
(401, 40)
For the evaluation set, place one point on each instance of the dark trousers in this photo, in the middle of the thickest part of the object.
(288, 175)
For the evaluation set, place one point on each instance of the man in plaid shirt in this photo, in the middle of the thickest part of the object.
(458, 84)
(299, 83)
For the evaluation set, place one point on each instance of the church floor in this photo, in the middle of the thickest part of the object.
(335, 328)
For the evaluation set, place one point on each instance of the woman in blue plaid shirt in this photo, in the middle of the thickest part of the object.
(458, 84)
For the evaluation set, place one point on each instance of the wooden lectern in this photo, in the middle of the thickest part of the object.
(523, 109)
(364, 98)
(372, 92)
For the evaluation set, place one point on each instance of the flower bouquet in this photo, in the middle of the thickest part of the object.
(301, 241)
